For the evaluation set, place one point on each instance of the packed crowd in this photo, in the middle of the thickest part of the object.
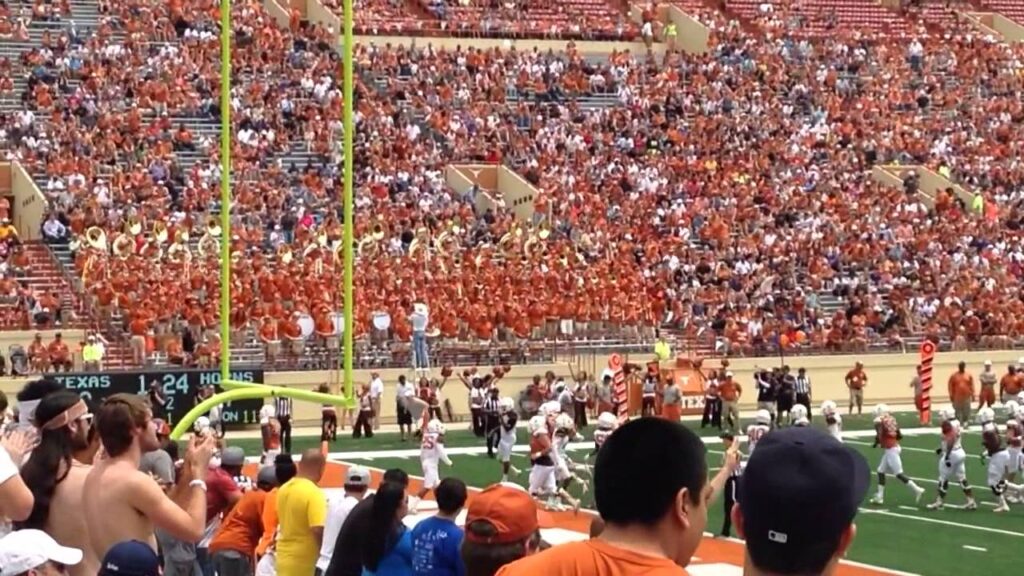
(102, 490)
(642, 231)
(575, 19)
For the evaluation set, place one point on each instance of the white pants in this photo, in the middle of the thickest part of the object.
(542, 480)
(562, 471)
(431, 478)
(956, 471)
(891, 462)
(1016, 460)
(505, 450)
(998, 465)
(267, 566)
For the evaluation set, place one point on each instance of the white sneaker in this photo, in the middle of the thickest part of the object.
(918, 494)
(1002, 508)
(876, 500)
(971, 504)
(937, 505)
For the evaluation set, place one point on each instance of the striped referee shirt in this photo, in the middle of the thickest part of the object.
(283, 406)
(803, 385)
(491, 406)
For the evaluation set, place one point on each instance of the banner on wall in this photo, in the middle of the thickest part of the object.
(178, 386)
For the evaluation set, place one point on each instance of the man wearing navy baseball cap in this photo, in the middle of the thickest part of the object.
(797, 500)
(130, 558)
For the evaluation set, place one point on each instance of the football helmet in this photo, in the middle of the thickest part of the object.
(986, 415)
(550, 409)
(798, 415)
(607, 421)
(565, 422)
(828, 407)
(881, 410)
(202, 425)
(435, 426)
(763, 417)
(537, 425)
(506, 404)
(948, 413)
(1012, 407)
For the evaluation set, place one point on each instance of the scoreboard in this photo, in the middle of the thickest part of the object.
(178, 386)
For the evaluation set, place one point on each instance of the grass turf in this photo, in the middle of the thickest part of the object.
(900, 534)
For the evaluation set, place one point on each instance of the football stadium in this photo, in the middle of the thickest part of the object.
(258, 253)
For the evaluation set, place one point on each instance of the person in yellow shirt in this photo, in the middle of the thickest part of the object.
(302, 513)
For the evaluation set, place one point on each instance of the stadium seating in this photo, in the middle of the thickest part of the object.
(1010, 8)
(660, 213)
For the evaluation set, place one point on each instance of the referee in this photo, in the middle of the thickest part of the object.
(491, 421)
(803, 390)
(283, 409)
(731, 486)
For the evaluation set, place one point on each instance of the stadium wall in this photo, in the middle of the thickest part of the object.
(889, 376)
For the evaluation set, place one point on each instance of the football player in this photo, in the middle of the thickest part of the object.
(996, 456)
(1014, 435)
(507, 419)
(833, 420)
(798, 416)
(432, 453)
(565, 432)
(542, 471)
(606, 424)
(952, 458)
(888, 435)
(761, 426)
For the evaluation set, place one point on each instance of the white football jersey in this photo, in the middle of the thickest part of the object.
(754, 434)
(954, 436)
(835, 426)
(430, 448)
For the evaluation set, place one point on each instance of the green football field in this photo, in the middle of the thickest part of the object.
(899, 535)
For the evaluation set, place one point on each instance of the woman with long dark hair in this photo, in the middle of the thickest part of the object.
(56, 479)
(387, 545)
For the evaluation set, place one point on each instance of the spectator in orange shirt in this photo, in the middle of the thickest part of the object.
(653, 531)
(60, 356)
(1009, 384)
(233, 547)
(38, 355)
(730, 391)
(961, 393)
(856, 380)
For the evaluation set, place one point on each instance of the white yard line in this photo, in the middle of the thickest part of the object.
(942, 522)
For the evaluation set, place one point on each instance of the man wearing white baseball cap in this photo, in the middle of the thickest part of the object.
(34, 553)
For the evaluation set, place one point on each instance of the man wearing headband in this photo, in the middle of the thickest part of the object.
(126, 504)
(57, 479)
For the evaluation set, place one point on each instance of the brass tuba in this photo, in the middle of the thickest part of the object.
(420, 243)
(213, 226)
(179, 253)
(160, 233)
(284, 254)
(447, 242)
(96, 238)
(509, 241)
(133, 225)
(209, 245)
(123, 246)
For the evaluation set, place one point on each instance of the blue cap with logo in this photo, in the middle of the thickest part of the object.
(130, 558)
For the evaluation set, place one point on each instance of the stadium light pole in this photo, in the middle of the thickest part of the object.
(348, 208)
(225, 190)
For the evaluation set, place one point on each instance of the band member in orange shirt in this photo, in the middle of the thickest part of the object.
(961, 393)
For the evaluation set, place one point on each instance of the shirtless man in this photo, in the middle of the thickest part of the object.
(57, 479)
(126, 504)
